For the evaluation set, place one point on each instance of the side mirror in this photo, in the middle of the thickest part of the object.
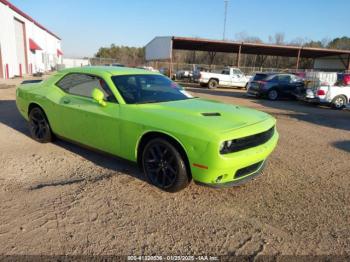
(98, 96)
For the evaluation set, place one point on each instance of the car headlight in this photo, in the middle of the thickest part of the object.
(225, 146)
(246, 142)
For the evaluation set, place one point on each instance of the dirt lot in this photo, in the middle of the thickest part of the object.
(61, 199)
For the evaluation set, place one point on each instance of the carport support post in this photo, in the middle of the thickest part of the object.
(212, 55)
(298, 59)
(171, 60)
(238, 62)
(348, 67)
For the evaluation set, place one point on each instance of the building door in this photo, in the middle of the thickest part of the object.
(21, 51)
(1, 66)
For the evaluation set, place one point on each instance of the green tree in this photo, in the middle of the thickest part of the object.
(131, 56)
(340, 43)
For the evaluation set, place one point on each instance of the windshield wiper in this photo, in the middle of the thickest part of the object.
(148, 102)
(163, 101)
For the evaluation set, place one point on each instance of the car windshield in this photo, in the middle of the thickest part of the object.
(141, 89)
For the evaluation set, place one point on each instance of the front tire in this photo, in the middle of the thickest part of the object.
(39, 126)
(339, 102)
(164, 166)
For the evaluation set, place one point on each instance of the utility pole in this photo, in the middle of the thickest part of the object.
(225, 18)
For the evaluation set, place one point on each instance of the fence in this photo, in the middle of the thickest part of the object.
(103, 61)
(164, 66)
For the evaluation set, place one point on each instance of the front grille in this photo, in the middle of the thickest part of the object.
(249, 141)
(247, 170)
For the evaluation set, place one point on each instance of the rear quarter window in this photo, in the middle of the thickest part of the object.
(81, 84)
(284, 78)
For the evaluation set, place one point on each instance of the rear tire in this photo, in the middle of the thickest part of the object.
(339, 102)
(272, 95)
(213, 84)
(39, 126)
(164, 166)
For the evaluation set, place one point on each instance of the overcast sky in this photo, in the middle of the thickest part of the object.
(86, 25)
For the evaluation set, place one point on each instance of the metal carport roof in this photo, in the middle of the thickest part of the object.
(199, 44)
(161, 48)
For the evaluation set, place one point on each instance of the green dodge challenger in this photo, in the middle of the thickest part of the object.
(144, 117)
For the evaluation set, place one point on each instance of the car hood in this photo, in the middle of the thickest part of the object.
(209, 114)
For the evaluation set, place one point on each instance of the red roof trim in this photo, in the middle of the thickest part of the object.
(18, 11)
(33, 45)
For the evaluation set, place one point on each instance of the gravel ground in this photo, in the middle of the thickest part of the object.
(60, 199)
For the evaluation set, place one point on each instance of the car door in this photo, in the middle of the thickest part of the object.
(85, 121)
(237, 78)
(284, 86)
(225, 78)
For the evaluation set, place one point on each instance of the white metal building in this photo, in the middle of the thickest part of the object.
(75, 62)
(26, 46)
(159, 48)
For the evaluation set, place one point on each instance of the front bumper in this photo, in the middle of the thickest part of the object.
(234, 168)
(254, 92)
(237, 182)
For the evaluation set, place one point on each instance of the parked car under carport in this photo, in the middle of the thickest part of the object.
(275, 85)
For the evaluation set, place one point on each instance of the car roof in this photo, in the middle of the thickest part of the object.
(112, 70)
(272, 73)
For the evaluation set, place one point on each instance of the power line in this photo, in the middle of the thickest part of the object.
(225, 19)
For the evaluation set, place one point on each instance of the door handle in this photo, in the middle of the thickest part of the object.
(66, 101)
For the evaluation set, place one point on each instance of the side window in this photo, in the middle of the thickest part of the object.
(270, 78)
(82, 85)
(225, 72)
(294, 79)
(284, 78)
(237, 72)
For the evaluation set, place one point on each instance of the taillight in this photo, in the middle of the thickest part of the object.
(262, 83)
(321, 92)
(346, 80)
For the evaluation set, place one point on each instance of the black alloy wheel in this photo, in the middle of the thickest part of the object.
(164, 166)
(38, 126)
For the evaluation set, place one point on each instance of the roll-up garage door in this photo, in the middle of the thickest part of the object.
(1, 67)
(20, 47)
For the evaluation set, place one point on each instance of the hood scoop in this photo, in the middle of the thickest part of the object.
(211, 114)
